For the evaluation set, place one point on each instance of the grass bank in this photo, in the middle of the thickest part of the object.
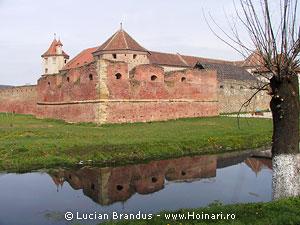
(28, 143)
(280, 212)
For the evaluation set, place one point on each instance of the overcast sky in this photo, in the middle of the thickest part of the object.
(27, 28)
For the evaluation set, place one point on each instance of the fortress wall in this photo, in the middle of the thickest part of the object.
(120, 112)
(72, 113)
(73, 85)
(135, 97)
(70, 95)
(20, 100)
(232, 94)
(117, 95)
(187, 84)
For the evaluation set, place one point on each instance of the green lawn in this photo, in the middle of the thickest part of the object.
(282, 212)
(27, 143)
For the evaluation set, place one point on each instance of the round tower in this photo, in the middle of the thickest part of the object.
(54, 59)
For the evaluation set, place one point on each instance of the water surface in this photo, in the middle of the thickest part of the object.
(42, 198)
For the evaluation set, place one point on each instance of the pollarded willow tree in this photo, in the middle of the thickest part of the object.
(274, 33)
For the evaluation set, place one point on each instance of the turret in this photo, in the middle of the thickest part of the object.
(54, 58)
(122, 47)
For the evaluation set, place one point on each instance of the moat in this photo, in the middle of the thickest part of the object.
(189, 182)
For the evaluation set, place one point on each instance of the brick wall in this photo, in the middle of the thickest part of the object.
(78, 112)
(69, 95)
(117, 95)
(20, 100)
(147, 93)
(73, 85)
(232, 94)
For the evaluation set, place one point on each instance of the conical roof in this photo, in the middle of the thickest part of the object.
(52, 49)
(121, 40)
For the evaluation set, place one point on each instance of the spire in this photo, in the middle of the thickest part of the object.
(52, 49)
(59, 42)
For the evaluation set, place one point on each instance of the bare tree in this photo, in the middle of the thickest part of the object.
(274, 34)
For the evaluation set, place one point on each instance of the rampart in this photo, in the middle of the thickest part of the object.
(107, 92)
(20, 100)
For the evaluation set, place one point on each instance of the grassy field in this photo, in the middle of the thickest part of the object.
(281, 212)
(27, 143)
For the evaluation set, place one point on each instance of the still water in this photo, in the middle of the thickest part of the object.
(43, 197)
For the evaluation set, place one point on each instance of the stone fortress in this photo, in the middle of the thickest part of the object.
(121, 81)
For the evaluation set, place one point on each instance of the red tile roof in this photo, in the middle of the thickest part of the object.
(254, 60)
(167, 59)
(121, 40)
(52, 49)
(81, 59)
(225, 69)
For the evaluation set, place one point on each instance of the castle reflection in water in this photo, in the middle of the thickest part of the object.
(113, 184)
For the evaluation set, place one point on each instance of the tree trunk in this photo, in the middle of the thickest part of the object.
(285, 146)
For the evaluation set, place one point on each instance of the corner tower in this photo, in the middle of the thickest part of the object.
(122, 47)
(54, 58)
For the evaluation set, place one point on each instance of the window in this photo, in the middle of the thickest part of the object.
(54, 60)
(231, 87)
(46, 60)
(68, 79)
(154, 179)
(91, 76)
(134, 56)
(199, 66)
(114, 56)
(153, 77)
(118, 76)
(46, 70)
(65, 61)
(48, 83)
(93, 186)
(119, 187)
(222, 86)
(241, 87)
(183, 79)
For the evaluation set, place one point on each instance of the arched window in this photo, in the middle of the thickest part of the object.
(91, 76)
(118, 76)
(114, 56)
(134, 56)
(68, 79)
(48, 83)
(183, 79)
(221, 86)
(46, 70)
(153, 77)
